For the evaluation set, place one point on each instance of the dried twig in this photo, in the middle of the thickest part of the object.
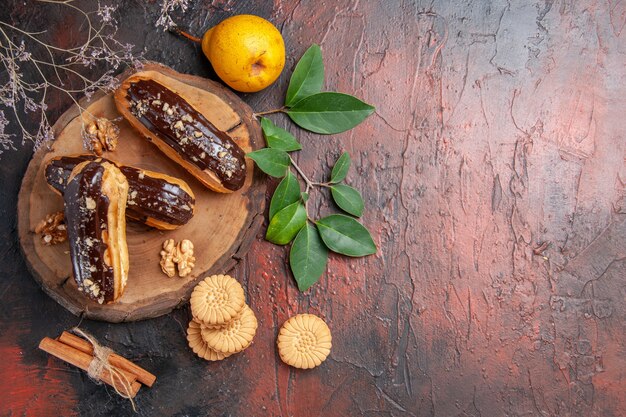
(33, 68)
(167, 7)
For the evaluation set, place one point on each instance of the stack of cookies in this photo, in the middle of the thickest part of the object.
(222, 324)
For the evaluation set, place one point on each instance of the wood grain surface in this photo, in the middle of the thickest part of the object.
(221, 230)
(493, 175)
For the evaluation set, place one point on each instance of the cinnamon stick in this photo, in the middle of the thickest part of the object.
(134, 389)
(82, 360)
(116, 360)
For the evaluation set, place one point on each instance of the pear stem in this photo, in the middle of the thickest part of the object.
(180, 32)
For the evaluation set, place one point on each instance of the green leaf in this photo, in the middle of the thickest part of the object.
(348, 199)
(286, 224)
(307, 78)
(329, 113)
(308, 257)
(271, 161)
(278, 138)
(287, 192)
(340, 170)
(305, 197)
(343, 234)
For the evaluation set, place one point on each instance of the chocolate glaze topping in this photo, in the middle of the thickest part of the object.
(58, 170)
(187, 132)
(86, 210)
(148, 197)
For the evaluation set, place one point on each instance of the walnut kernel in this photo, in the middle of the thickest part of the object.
(167, 254)
(184, 257)
(181, 255)
(103, 135)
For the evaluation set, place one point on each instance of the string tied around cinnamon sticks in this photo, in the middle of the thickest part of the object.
(100, 362)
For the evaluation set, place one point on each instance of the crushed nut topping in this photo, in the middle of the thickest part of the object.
(178, 125)
(130, 201)
(91, 288)
(102, 135)
(228, 164)
(52, 229)
(90, 203)
(139, 108)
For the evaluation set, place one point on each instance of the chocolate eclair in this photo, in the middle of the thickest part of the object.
(181, 132)
(155, 199)
(95, 205)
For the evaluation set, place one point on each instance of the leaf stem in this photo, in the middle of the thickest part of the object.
(262, 113)
(322, 184)
(308, 183)
(306, 179)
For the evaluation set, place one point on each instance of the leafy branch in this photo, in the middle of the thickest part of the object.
(320, 112)
(290, 222)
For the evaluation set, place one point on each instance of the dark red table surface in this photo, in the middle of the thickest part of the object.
(499, 130)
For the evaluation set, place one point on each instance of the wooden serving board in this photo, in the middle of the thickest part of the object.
(222, 228)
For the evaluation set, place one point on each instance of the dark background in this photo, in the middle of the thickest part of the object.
(493, 174)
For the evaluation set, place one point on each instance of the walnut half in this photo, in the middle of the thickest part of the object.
(52, 229)
(184, 257)
(167, 255)
(102, 135)
(180, 255)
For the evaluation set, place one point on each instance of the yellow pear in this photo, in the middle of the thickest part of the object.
(247, 52)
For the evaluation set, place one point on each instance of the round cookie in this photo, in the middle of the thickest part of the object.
(199, 346)
(218, 326)
(234, 336)
(217, 300)
(304, 341)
